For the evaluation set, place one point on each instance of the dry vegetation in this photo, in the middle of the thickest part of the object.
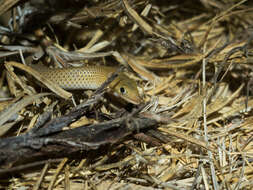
(192, 62)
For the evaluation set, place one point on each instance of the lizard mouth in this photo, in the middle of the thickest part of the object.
(134, 100)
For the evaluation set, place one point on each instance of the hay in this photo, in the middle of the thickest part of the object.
(192, 62)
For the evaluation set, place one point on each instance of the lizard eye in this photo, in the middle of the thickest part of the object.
(122, 90)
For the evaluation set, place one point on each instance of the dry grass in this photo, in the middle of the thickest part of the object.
(192, 61)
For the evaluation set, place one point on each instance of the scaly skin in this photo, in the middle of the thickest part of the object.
(92, 77)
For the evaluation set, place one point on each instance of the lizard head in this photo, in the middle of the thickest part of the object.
(124, 87)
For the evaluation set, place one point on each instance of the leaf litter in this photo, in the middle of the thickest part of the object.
(192, 62)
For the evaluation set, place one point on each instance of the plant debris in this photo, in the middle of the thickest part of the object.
(192, 63)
